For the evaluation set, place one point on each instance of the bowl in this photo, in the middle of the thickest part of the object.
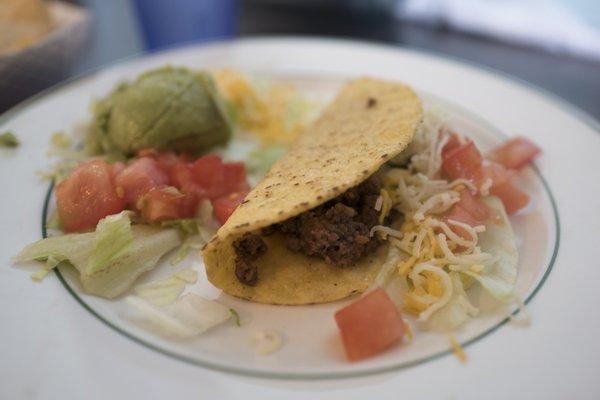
(48, 60)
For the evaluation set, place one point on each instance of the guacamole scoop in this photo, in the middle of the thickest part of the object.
(167, 108)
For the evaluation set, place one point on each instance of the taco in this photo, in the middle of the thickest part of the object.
(302, 235)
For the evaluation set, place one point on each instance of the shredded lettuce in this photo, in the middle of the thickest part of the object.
(187, 275)
(60, 140)
(166, 291)
(389, 267)
(499, 278)
(261, 160)
(51, 263)
(75, 247)
(9, 139)
(196, 231)
(235, 316)
(456, 312)
(53, 222)
(108, 260)
(187, 226)
(187, 317)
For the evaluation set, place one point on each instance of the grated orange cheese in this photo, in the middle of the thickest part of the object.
(274, 113)
(457, 349)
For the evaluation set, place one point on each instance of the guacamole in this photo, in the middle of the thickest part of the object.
(167, 108)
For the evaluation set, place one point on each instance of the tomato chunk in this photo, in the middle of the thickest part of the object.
(451, 144)
(369, 325)
(463, 161)
(161, 204)
(138, 178)
(512, 197)
(234, 177)
(182, 177)
(473, 205)
(494, 171)
(224, 206)
(515, 153)
(117, 168)
(217, 178)
(209, 173)
(86, 196)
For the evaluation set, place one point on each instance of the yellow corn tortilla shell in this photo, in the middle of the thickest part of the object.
(369, 122)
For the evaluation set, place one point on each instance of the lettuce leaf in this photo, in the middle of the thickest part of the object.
(142, 255)
(108, 260)
(189, 316)
(166, 291)
(113, 237)
(456, 312)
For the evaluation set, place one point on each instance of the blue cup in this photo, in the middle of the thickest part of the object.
(168, 22)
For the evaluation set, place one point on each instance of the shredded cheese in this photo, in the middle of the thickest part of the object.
(457, 348)
(445, 281)
(431, 245)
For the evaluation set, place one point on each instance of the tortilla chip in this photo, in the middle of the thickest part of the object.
(369, 122)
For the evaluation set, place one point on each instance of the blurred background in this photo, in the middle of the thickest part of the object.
(554, 44)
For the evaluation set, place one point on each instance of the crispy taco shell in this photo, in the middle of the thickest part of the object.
(369, 122)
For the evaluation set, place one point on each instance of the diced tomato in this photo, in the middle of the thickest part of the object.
(217, 178)
(186, 158)
(515, 153)
(512, 197)
(164, 159)
(138, 178)
(209, 173)
(463, 161)
(494, 171)
(117, 168)
(235, 177)
(451, 144)
(86, 196)
(369, 325)
(161, 204)
(208, 170)
(472, 204)
(224, 206)
(189, 205)
(469, 210)
(459, 214)
(182, 177)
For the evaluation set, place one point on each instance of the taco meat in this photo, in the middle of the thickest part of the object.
(337, 232)
(247, 249)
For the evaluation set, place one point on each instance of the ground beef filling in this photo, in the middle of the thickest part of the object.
(248, 248)
(337, 232)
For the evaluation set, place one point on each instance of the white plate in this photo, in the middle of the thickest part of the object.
(482, 105)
